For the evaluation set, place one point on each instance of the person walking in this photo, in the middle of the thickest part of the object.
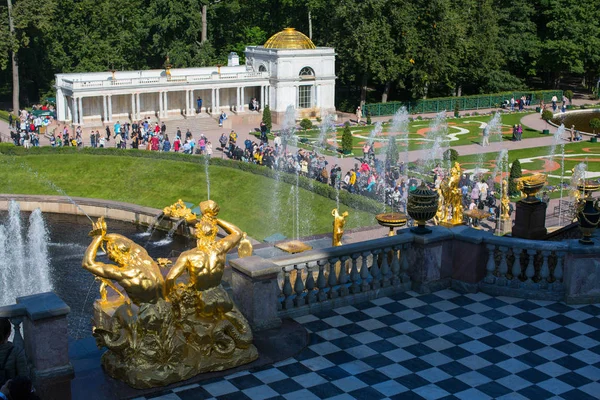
(519, 132)
(358, 115)
(572, 133)
(486, 136)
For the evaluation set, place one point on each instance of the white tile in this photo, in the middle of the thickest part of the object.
(382, 301)
(475, 346)
(220, 388)
(476, 332)
(577, 315)
(436, 359)
(444, 305)
(270, 375)
(512, 396)
(438, 344)
(345, 310)
(511, 322)
(349, 383)
(337, 320)
(479, 296)
(473, 378)
(306, 319)
(514, 382)
(443, 317)
(547, 338)
(409, 315)
(331, 334)
(405, 327)
(589, 372)
(398, 355)
(301, 395)
(509, 300)
(587, 356)
(549, 353)
(324, 348)
(285, 362)
(555, 386)
(513, 366)
(402, 341)
(474, 362)
(585, 342)
(447, 294)
(544, 312)
(186, 387)
(511, 335)
(433, 375)
(412, 302)
(376, 312)
(477, 307)
(581, 328)
(355, 367)
(552, 369)
(431, 392)
(394, 371)
(592, 388)
(366, 337)
(260, 392)
(309, 380)
(510, 310)
(317, 363)
(389, 388)
(472, 394)
(371, 324)
(477, 319)
(361, 351)
(512, 350)
(440, 330)
(545, 325)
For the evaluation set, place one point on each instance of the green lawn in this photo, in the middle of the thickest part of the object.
(462, 131)
(541, 162)
(259, 205)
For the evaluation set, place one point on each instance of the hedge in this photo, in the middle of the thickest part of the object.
(351, 200)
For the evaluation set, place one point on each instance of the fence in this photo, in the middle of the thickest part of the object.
(464, 102)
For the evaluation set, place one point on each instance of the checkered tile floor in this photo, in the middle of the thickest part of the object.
(438, 346)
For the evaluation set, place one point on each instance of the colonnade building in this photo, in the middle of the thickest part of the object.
(287, 70)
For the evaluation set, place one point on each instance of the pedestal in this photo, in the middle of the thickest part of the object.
(530, 220)
(504, 227)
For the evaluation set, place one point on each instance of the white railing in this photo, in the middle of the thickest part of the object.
(175, 80)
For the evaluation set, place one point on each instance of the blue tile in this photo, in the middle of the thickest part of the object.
(530, 344)
(412, 381)
(494, 303)
(305, 354)
(527, 317)
(366, 393)
(333, 373)
(493, 372)
(377, 361)
(245, 382)
(427, 309)
(194, 394)
(593, 322)
(390, 320)
(364, 306)
(455, 353)
(528, 330)
(574, 379)
(422, 335)
(407, 396)
(591, 309)
(526, 305)
(317, 326)
(570, 363)
(562, 320)
(345, 342)
(316, 339)
(453, 385)
(372, 377)
(381, 346)
(325, 390)
(560, 308)
(531, 359)
(158, 394)
(424, 322)
(535, 392)
(460, 312)
(533, 375)
(415, 365)
(494, 356)
(594, 335)
(457, 338)
(285, 386)
(400, 296)
(340, 357)
(294, 369)
(493, 389)
(494, 327)
(233, 396)
(357, 316)
(459, 325)
(493, 341)
(419, 349)
(430, 298)
(325, 314)
(577, 394)
(385, 332)
(461, 301)
(394, 307)
(351, 329)
(454, 368)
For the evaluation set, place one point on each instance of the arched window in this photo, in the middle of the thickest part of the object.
(307, 73)
(262, 68)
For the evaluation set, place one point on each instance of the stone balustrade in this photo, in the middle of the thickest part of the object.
(43, 317)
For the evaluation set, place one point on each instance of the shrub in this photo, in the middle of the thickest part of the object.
(456, 109)
(369, 121)
(515, 173)
(347, 139)
(569, 95)
(451, 155)
(266, 117)
(539, 96)
(595, 124)
(547, 115)
(306, 124)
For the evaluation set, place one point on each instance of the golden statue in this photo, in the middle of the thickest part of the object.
(179, 210)
(245, 247)
(452, 198)
(440, 215)
(504, 202)
(167, 330)
(339, 221)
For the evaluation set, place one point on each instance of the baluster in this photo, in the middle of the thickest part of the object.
(332, 281)
(354, 276)
(530, 270)
(299, 300)
(343, 278)
(491, 265)
(321, 282)
(516, 267)
(385, 268)
(311, 294)
(404, 265)
(544, 270)
(503, 267)
(17, 338)
(375, 272)
(288, 302)
(395, 266)
(558, 272)
(364, 273)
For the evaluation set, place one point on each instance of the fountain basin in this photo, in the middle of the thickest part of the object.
(391, 220)
(580, 118)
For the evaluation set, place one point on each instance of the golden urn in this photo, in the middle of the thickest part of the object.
(530, 186)
(422, 206)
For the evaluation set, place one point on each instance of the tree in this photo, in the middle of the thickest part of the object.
(515, 173)
(547, 115)
(306, 124)
(266, 117)
(347, 139)
(595, 124)
(569, 95)
(13, 58)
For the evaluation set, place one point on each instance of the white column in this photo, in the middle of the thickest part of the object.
(187, 103)
(262, 96)
(297, 104)
(313, 96)
(104, 116)
(75, 111)
(109, 108)
(60, 105)
(80, 116)
(132, 107)
(218, 101)
(237, 99)
(138, 111)
(192, 103)
(212, 102)
(69, 113)
(242, 99)
(161, 111)
(268, 95)
(166, 104)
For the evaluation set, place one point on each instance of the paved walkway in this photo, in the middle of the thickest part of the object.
(437, 346)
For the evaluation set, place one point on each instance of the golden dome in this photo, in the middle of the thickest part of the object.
(289, 38)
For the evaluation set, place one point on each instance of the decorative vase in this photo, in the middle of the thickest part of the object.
(422, 206)
(588, 214)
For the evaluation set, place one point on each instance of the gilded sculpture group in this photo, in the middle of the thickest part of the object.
(165, 329)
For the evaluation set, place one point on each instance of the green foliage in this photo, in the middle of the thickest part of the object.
(266, 117)
(569, 95)
(547, 115)
(595, 124)
(456, 109)
(306, 124)
(347, 139)
(515, 173)
(369, 121)
(451, 155)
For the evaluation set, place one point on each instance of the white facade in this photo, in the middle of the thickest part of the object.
(304, 78)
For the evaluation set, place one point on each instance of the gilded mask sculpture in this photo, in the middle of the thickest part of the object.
(163, 330)
(339, 221)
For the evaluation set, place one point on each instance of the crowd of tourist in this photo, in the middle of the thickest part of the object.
(26, 127)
